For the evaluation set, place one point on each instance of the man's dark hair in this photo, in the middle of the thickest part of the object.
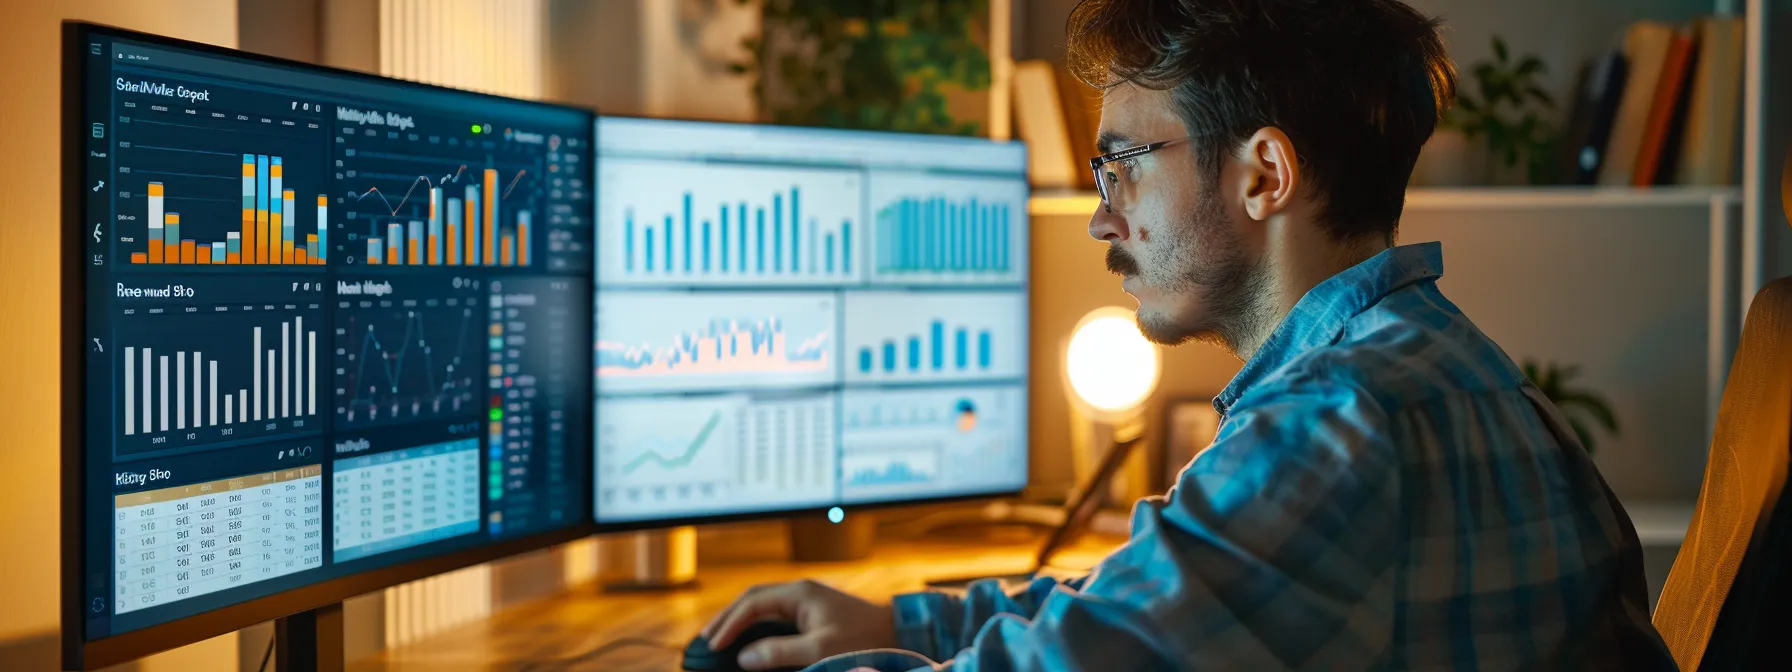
(1358, 86)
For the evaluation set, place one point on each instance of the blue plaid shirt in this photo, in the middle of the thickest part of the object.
(1386, 491)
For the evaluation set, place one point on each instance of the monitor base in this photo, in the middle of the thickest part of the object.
(658, 560)
(814, 538)
(310, 641)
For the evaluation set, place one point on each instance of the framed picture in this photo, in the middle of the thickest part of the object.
(1189, 426)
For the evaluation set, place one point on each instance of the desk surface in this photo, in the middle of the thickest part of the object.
(529, 636)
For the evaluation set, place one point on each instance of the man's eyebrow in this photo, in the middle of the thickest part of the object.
(1112, 141)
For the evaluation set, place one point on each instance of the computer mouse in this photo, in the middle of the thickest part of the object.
(698, 657)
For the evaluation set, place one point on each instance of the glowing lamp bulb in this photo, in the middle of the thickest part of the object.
(1111, 366)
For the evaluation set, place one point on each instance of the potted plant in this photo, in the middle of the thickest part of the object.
(1503, 109)
(903, 65)
(1577, 404)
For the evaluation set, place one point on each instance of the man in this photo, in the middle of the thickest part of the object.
(1386, 489)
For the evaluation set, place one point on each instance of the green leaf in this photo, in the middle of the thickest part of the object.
(1499, 49)
(1541, 96)
(1531, 65)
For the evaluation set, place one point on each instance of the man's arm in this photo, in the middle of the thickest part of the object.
(937, 624)
(1275, 550)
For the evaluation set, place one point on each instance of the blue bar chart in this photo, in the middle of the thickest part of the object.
(727, 225)
(932, 336)
(681, 341)
(901, 444)
(963, 230)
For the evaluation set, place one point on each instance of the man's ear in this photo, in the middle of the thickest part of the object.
(1270, 173)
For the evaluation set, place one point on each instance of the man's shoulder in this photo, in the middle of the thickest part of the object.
(1410, 347)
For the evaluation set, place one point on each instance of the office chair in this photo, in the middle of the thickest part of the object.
(1730, 587)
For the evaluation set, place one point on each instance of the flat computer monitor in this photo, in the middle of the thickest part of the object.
(324, 333)
(792, 319)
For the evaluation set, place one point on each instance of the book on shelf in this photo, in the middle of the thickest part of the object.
(1675, 116)
(1663, 111)
(1590, 122)
(1082, 120)
(1708, 144)
(1646, 46)
(1039, 117)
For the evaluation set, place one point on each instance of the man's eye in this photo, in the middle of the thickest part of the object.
(1131, 166)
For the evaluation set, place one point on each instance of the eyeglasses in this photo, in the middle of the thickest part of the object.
(1118, 186)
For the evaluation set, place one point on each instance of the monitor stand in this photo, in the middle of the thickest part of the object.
(650, 561)
(310, 641)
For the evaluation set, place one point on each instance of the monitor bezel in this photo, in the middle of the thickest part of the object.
(749, 516)
(79, 652)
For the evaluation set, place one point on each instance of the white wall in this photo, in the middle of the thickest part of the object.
(30, 42)
(652, 57)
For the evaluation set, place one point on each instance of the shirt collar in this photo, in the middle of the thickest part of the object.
(1319, 317)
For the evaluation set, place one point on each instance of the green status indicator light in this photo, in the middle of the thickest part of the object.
(477, 128)
(497, 414)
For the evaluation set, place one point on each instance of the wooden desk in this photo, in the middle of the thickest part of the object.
(530, 635)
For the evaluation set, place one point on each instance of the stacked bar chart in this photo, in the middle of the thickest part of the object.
(744, 225)
(786, 339)
(934, 336)
(934, 231)
(269, 234)
(468, 228)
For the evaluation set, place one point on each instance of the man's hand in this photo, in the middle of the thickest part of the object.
(832, 622)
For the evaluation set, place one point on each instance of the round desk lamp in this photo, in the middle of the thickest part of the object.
(1110, 370)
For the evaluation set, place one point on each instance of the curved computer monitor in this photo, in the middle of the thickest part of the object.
(322, 334)
(795, 318)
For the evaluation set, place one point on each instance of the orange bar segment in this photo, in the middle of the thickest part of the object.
(205, 255)
(491, 215)
(187, 255)
(286, 252)
(139, 258)
(233, 258)
(509, 243)
(435, 256)
(155, 251)
(411, 256)
(298, 257)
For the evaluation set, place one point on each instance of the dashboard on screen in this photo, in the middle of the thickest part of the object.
(332, 324)
(798, 318)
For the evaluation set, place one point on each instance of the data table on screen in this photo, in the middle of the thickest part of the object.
(387, 501)
(186, 541)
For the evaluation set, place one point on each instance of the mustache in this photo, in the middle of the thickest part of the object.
(1120, 263)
